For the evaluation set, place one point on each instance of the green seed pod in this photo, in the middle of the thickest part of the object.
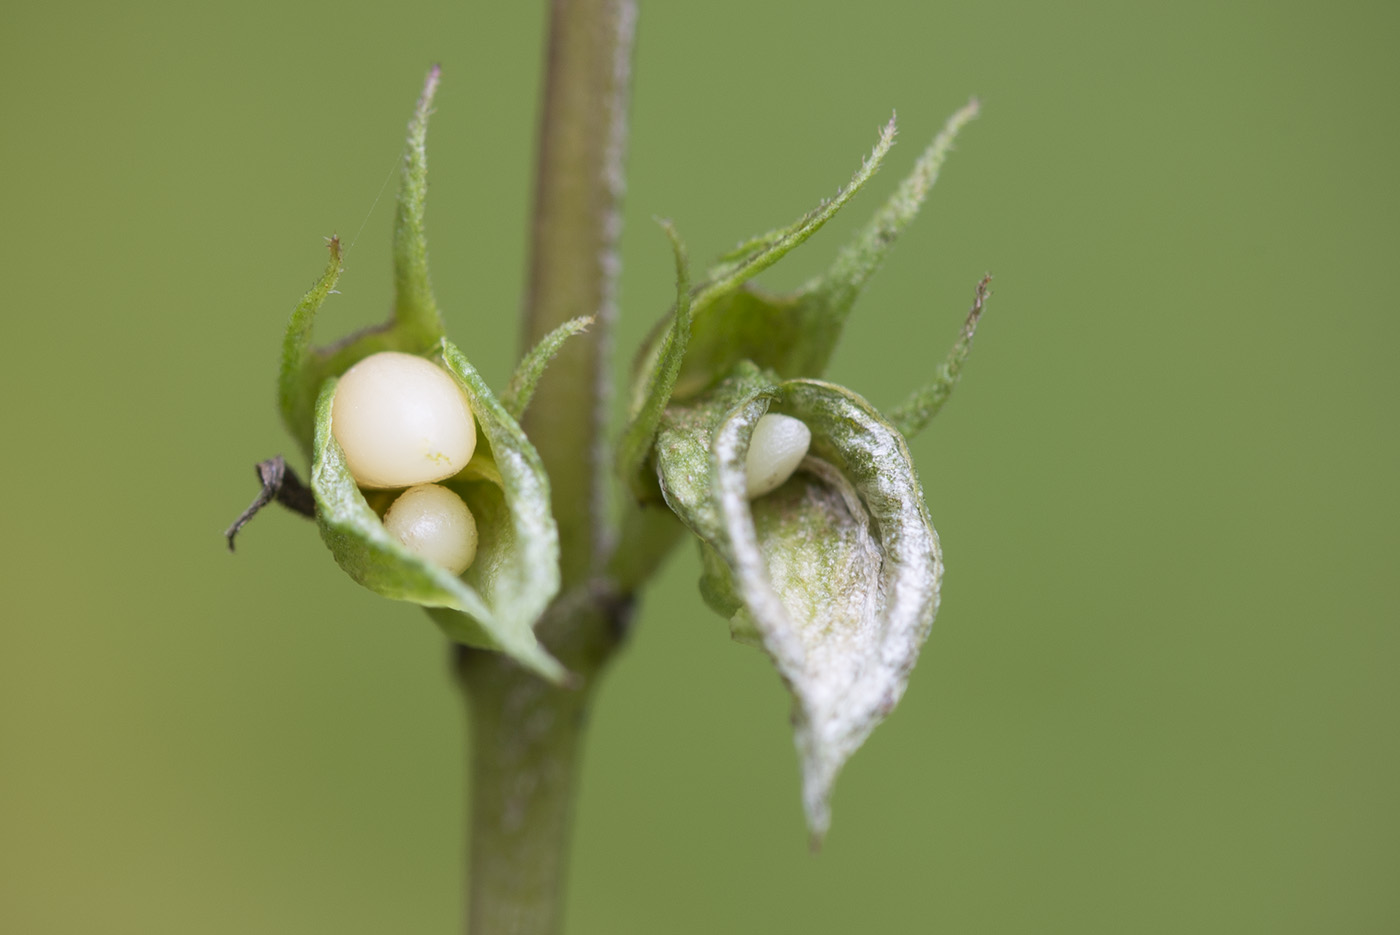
(399, 406)
(516, 572)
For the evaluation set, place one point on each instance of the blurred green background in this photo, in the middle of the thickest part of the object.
(1161, 695)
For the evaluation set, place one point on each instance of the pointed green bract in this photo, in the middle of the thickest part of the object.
(653, 388)
(795, 334)
(824, 304)
(523, 581)
(416, 316)
(835, 574)
(753, 257)
(910, 416)
(300, 377)
(727, 326)
(496, 602)
(415, 326)
(521, 388)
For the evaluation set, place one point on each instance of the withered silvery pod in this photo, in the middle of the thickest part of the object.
(836, 573)
(496, 602)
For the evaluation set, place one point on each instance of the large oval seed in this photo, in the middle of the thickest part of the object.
(401, 420)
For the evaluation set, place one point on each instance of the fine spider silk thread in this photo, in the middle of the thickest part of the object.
(368, 214)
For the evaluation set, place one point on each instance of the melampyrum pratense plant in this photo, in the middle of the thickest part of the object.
(427, 486)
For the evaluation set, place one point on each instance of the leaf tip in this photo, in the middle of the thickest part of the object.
(979, 301)
(963, 116)
(816, 806)
(668, 227)
(430, 85)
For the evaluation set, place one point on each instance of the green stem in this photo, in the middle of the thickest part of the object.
(526, 739)
(526, 735)
(574, 262)
(648, 533)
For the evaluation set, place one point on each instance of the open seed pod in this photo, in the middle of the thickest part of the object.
(835, 574)
(496, 602)
(515, 574)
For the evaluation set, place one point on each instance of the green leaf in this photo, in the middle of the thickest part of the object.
(521, 387)
(910, 416)
(415, 326)
(835, 574)
(496, 602)
(652, 390)
(723, 332)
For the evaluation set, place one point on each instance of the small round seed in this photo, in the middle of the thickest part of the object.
(433, 523)
(778, 445)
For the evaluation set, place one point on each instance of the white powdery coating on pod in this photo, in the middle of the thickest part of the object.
(401, 420)
(777, 447)
(433, 523)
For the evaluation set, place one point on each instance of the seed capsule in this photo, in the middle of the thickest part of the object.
(401, 420)
(777, 446)
(433, 523)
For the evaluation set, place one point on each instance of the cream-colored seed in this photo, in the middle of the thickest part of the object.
(777, 447)
(401, 420)
(433, 523)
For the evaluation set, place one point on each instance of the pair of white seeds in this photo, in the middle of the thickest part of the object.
(404, 422)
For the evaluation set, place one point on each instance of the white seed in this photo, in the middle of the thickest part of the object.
(433, 523)
(401, 420)
(778, 445)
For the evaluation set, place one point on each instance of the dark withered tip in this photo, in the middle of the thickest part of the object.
(279, 483)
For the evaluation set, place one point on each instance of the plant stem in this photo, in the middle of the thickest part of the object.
(526, 738)
(525, 734)
(574, 264)
(524, 759)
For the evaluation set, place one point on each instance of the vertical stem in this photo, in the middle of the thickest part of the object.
(525, 739)
(574, 264)
(526, 735)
